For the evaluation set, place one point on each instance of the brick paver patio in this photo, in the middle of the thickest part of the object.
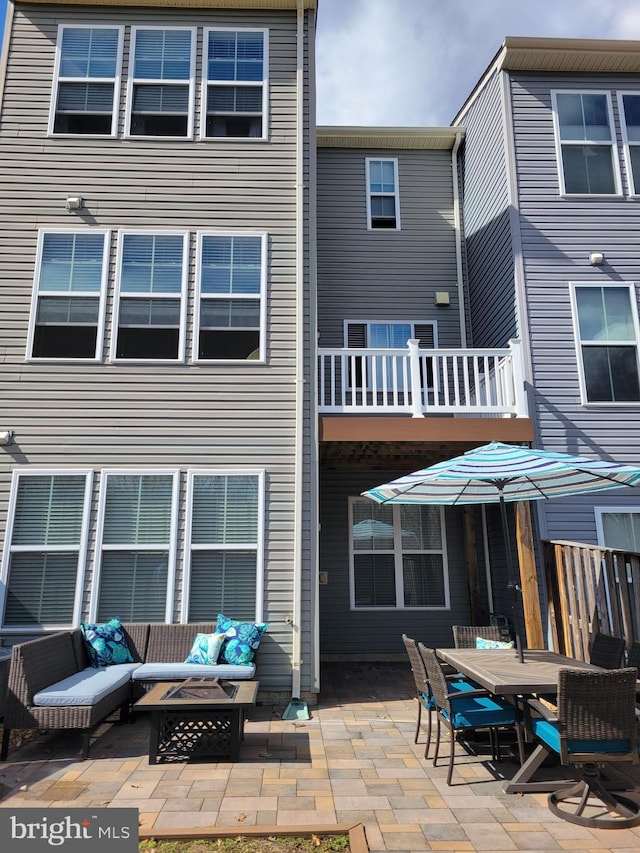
(353, 761)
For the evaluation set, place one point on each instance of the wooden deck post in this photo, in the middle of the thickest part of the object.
(528, 577)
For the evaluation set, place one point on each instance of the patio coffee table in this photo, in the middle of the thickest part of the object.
(197, 719)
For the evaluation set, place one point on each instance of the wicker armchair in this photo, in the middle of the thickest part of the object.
(595, 725)
(606, 651)
(468, 709)
(424, 695)
(464, 636)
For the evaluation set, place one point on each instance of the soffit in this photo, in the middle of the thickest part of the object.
(575, 55)
(191, 4)
(388, 137)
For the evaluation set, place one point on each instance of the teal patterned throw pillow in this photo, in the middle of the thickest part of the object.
(481, 643)
(205, 649)
(241, 639)
(106, 644)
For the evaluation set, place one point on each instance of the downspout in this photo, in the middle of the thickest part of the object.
(457, 226)
(296, 638)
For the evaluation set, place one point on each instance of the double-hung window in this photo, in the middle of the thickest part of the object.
(223, 552)
(606, 328)
(383, 200)
(67, 315)
(44, 549)
(235, 92)
(585, 143)
(230, 312)
(161, 82)
(87, 80)
(136, 547)
(618, 527)
(629, 107)
(152, 279)
(397, 556)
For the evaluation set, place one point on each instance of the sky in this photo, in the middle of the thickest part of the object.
(413, 62)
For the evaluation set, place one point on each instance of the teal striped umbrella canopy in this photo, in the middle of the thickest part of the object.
(505, 472)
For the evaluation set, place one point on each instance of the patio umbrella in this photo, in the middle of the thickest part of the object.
(496, 473)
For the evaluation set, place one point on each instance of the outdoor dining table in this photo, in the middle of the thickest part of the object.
(500, 671)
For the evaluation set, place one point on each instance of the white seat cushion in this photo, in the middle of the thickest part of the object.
(86, 687)
(178, 671)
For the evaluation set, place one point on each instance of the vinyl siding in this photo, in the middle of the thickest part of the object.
(379, 274)
(366, 632)
(488, 240)
(558, 235)
(149, 415)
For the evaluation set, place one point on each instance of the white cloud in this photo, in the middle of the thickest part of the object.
(412, 62)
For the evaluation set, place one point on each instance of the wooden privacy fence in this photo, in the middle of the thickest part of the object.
(591, 589)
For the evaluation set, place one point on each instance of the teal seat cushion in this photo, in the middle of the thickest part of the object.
(549, 734)
(86, 687)
(482, 711)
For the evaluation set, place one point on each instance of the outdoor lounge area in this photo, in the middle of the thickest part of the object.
(354, 761)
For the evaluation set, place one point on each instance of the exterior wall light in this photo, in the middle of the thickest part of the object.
(74, 202)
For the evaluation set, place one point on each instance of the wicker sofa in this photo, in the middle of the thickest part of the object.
(52, 684)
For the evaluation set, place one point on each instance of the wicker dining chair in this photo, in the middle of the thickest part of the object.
(606, 651)
(595, 724)
(424, 695)
(464, 636)
(633, 655)
(468, 709)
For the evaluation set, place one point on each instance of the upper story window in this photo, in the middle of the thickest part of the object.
(397, 556)
(45, 548)
(67, 316)
(223, 547)
(149, 314)
(630, 120)
(236, 84)
(87, 80)
(136, 544)
(584, 134)
(606, 323)
(230, 301)
(383, 201)
(161, 82)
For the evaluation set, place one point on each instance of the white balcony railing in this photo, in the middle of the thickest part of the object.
(421, 382)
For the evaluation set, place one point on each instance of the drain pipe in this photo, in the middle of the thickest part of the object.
(296, 637)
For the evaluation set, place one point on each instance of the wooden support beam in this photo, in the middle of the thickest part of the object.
(471, 561)
(528, 577)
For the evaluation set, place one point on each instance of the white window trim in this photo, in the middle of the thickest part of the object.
(180, 357)
(264, 83)
(633, 299)
(612, 143)
(398, 551)
(262, 235)
(82, 547)
(133, 81)
(116, 80)
(599, 511)
(173, 534)
(396, 194)
(633, 190)
(258, 546)
(102, 297)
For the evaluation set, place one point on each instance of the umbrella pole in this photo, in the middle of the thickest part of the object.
(513, 584)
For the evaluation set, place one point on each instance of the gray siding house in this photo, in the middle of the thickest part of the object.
(157, 183)
(551, 177)
(399, 389)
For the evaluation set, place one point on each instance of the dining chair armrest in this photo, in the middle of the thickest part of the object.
(468, 694)
(545, 712)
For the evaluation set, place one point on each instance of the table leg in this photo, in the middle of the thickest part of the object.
(154, 735)
(521, 782)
